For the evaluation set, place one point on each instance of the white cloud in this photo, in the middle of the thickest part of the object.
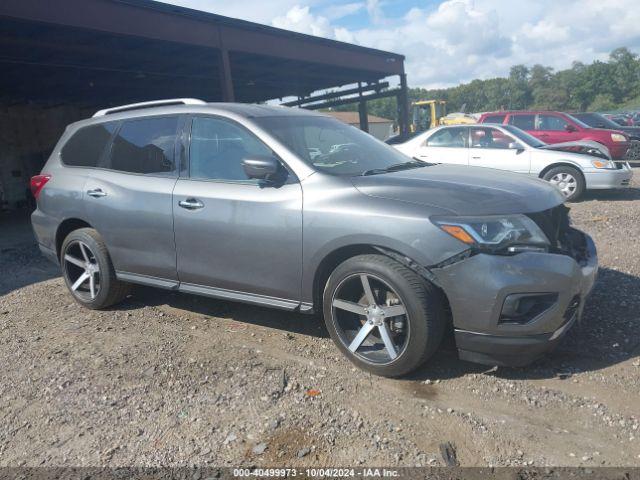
(375, 11)
(261, 11)
(544, 33)
(335, 12)
(300, 19)
(442, 46)
(343, 35)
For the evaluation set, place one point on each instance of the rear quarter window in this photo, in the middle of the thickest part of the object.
(86, 146)
(524, 122)
(494, 119)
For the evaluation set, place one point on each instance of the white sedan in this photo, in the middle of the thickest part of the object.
(507, 147)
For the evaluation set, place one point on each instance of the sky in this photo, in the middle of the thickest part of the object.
(448, 42)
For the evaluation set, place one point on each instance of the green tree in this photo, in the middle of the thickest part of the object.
(602, 102)
(518, 88)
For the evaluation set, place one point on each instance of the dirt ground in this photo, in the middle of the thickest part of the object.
(171, 379)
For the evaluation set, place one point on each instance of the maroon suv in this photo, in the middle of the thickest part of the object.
(558, 127)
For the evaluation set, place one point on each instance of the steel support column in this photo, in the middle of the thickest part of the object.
(226, 79)
(403, 106)
(362, 111)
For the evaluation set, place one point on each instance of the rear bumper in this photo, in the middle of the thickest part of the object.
(607, 179)
(478, 286)
(44, 228)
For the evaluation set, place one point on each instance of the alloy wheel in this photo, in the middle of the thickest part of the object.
(82, 270)
(370, 318)
(565, 182)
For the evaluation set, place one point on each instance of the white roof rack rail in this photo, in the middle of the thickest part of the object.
(154, 103)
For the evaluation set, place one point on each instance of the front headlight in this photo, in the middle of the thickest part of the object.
(495, 233)
(618, 137)
(606, 164)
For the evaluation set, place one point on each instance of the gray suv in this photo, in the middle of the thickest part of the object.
(292, 209)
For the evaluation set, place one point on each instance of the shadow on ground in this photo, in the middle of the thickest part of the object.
(21, 262)
(619, 195)
(294, 322)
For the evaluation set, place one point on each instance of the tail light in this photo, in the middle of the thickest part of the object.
(37, 183)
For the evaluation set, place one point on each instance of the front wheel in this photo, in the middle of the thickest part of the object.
(384, 317)
(568, 180)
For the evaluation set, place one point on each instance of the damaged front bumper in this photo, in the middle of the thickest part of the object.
(482, 288)
(609, 179)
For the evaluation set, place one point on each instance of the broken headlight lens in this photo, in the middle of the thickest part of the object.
(495, 233)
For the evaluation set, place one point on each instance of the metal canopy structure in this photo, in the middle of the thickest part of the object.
(98, 53)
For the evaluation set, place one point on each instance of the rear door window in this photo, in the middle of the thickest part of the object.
(551, 122)
(145, 146)
(86, 146)
(455, 137)
(494, 118)
(525, 122)
(485, 137)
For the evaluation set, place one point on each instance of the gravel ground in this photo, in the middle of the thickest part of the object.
(169, 379)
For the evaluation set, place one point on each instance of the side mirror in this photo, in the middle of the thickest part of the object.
(569, 128)
(516, 146)
(261, 167)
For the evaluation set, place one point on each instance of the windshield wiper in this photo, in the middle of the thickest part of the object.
(374, 171)
(396, 167)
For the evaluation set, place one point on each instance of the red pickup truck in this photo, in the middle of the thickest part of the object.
(558, 127)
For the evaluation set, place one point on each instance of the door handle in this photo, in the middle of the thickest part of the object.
(476, 158)
(96, 192)
(191, 204)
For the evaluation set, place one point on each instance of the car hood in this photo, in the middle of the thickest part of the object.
(584, 147)
(629, 130)
(463, 190)
(605, 132)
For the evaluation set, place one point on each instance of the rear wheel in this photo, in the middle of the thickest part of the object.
(384, 317)
(568, 180)
(88, 271)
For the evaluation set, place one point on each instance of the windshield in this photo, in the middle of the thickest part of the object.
(597, 120)
(422, 117)
(524, 136)
(331, 146)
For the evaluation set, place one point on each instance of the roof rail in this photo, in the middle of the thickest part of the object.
(154, 103)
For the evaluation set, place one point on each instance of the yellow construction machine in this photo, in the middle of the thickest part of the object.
(428, 114)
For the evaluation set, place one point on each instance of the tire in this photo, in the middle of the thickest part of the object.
(415, 335)
(571, 189)
(105, 290)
